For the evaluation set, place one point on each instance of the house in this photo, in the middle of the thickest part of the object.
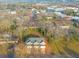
(13, 12)
(50, 9)
(5, 12)
(35, 45)
(77, 13)
(65, 27)
(43, 11)
(75, 20)
(59, 10)
(73, 8)
(34, 11)
(8, 38)
(60, 14)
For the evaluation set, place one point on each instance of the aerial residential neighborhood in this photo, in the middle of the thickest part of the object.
(39, 29)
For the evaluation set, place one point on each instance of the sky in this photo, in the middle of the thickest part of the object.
(13, 1)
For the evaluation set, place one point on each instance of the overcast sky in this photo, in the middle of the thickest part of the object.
(37, 0)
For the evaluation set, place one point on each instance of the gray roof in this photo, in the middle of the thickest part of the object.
(31, 41)
(75, 18)
(59, 9)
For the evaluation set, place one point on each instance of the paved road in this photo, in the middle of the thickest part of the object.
(71, 53)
